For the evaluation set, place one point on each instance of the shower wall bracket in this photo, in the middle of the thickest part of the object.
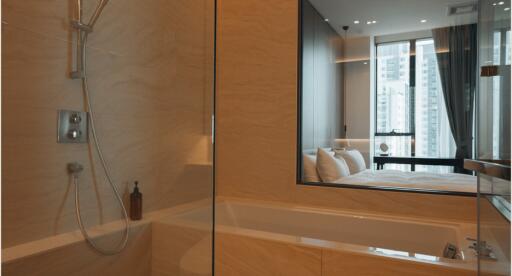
(72, 126)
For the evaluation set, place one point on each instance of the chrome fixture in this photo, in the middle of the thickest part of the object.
(450, 251)
(75, 168)
(72, 127)
(82, 31)
(483, 249)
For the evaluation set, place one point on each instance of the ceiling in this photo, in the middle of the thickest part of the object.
(392, 16)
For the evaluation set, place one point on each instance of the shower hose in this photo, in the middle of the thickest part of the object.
(85, 88)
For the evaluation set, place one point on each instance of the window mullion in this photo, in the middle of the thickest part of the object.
(412, 94)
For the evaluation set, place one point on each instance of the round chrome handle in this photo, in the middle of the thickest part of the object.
(75, 119)
(74, 134)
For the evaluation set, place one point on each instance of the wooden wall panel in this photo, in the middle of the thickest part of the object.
(243, 255)
(79, 260)
(256, 98)
(181, 250)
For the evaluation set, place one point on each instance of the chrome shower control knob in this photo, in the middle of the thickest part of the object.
(75, 119)
(72, 126)
(74, 134)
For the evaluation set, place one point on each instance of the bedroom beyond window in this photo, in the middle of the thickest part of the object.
(396, 95)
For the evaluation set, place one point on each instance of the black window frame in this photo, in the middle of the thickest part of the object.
(412, 93)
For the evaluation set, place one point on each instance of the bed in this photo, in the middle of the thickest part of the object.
(417, 180)
(451, 182)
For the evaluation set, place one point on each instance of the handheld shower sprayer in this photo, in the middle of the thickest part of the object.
(88, 27)
(97, 13)
(83, 31)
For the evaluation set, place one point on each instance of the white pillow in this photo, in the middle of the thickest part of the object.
(309, 169)
(329, 168)
(354, 160)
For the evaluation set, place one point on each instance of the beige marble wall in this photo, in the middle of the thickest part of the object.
(256, 128)
(78, 259)
(242, 255)
(150, 71)
(181, 250)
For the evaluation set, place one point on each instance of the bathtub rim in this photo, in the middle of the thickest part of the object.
(55, 242)
(467, 264)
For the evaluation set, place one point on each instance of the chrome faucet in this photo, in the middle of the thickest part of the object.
(482, 249)
(450, 251)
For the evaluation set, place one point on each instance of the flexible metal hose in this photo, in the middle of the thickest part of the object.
(87, 99)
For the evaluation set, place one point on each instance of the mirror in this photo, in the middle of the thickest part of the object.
(390, 93)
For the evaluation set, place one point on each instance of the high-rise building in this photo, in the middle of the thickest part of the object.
(393, 97)
(402, 108)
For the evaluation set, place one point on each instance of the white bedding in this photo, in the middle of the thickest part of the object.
(420, 180)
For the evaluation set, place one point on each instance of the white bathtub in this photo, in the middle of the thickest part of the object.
(425, 238)
(415, 236)
(403, 238)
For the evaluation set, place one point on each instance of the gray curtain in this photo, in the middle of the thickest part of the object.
(456, 49)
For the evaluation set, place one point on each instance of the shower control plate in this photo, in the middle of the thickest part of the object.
(72, 127)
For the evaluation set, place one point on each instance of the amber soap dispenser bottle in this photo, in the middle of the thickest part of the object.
(136, 203)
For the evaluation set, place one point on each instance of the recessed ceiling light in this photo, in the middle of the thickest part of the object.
(374, 22)
(494, 4)
(368, 22)
(423, 21)
(506, 9)
(501, 3)
(365, 63)
(326, 20)
(356, 21)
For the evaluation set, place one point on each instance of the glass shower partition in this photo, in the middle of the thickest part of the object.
(492, 157)
(493, 205)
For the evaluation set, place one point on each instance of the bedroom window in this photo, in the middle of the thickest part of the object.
(410, 112)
